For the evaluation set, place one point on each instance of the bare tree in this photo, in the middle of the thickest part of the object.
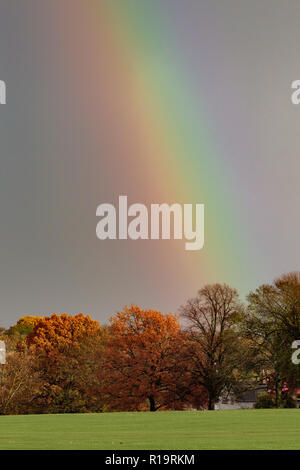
(215, 347)
(19, 384)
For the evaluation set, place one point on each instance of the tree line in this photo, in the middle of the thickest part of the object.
(147, 360)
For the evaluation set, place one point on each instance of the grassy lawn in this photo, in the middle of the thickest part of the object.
(238, 429)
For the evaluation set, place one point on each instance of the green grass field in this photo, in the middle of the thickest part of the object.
(240, 429)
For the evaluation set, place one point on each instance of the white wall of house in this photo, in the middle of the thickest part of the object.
(235, 406)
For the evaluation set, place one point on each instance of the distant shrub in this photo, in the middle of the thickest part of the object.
(288, 402)
(265, 400)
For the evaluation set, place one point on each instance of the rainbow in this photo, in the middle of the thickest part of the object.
(158, 111)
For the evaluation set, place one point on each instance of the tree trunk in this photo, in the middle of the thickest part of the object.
(276, 393)
(211, 403)
(152, 403)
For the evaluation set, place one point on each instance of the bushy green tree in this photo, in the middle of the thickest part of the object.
(272, 324)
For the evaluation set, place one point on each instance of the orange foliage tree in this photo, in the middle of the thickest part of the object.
(143, 361)
(66, 351)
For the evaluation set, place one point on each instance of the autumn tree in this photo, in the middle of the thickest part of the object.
(273, 323)
(143, 361)
(17, 333)
(66, 351)
(215, 350)
(19, 384)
